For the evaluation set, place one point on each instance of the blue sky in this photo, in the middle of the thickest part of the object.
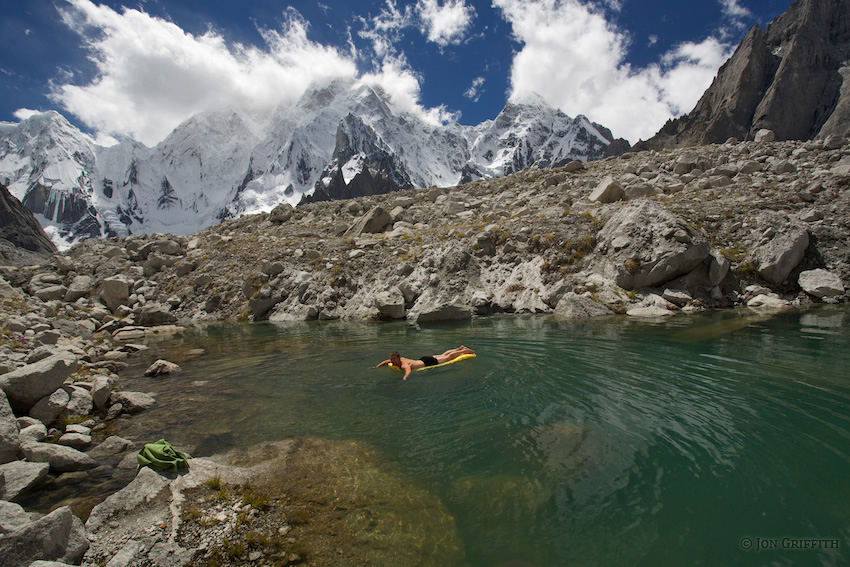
(140, 68)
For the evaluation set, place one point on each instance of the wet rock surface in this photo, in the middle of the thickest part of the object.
(304, 501)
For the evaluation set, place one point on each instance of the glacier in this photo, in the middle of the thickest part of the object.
(343, 139)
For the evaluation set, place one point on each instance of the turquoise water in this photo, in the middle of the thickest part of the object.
(720, 439)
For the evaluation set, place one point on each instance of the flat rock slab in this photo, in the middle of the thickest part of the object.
(59, 457)
(21, 477)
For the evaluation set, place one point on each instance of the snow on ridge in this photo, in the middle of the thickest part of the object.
(227, 163)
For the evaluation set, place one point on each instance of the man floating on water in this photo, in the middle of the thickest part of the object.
(409, 364)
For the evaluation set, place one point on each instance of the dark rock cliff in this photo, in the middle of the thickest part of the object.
(792, 77)
(21, 237)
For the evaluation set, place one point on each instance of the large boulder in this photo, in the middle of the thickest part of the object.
(59, 536)
(61, 459)
(153, 314)
(575, 306)
(645, 245)
(434, 309)
(21, 477)
(13, 517)
(10, 443)
(115, 292)
(821, 283)
(376, 220)
(608, 191)
(26, 385)
(81, 286)
(48, 408)
(777, 258)
(80, 403)
(281, 213)
(390, 304)
(144, 487)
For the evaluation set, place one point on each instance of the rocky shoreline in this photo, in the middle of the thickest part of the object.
(756, 225)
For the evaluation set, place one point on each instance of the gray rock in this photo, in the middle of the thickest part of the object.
(376, 220)
(781, 254)
(76, 441)
(100, 392)
(717, 269)
(7, 291)
(78, 428)
(608, 191)
(48, 337)
(439, 312)
(49, 408)
(113, 411)
(184, 268)
(51, 293)
(81, 286)
(677, 296)
(110, 447)
(115, 292)
(153, 314)
(60, 458)
(26, 421)
(390, 304)
(80, 404)
(649, 311)
(21, 477)
(13, 517)
(661, 248)
(33, 434)
(765, 135)
(574, 306)
(133, 402)
(768, 302)
(281, 213)
(162, 368)
(821, 283)
(25, 386)
(146, 486)
(167, 246)
(10, 443)
(40, 353)
(127, 555)
(157, 262)
(58, 536)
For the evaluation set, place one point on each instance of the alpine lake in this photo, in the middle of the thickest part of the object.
(711, 439)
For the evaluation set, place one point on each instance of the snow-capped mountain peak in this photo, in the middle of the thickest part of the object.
(339, 140)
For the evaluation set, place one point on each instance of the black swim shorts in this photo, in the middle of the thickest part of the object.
(429, 360)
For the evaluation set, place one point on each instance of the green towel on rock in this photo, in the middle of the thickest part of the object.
(161, 456)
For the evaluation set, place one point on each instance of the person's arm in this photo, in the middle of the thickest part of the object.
(384, 363)
(407, 371)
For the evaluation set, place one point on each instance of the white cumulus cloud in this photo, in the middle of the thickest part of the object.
(445, 23)
(24, 113)
(473, 93)
(152, 75)
(576, 60)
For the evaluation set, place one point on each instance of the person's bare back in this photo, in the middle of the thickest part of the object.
(409, 364)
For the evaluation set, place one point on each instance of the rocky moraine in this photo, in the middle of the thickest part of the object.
(749, 225)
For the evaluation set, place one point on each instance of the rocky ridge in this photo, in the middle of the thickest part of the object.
(758, 225)
(790, 78)
(709, 221)
(22, 240)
